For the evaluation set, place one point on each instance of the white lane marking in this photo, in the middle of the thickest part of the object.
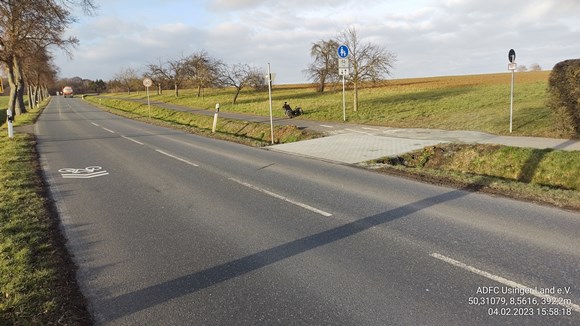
(82, 173)
(267, 192)
(374, 129)
(504, 281)
(133, 140)
(176, 157)
(360, 132)
(109, 130)
(85, 176)
(326, 126)
(94, 124)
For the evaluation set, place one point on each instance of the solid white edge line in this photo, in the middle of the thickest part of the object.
(326, 126)
(109, 130)
(133, 140)
(305, 206)
(505, 281)
(175, 157)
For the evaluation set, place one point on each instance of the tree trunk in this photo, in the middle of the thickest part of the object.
(322, 84)
(236, 96)
(16, 101)
(176, 90)
(30, 98)
(355, 104)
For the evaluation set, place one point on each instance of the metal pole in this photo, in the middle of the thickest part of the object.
(270, 95)
(148, 103)
(512, 102)
(343, 101)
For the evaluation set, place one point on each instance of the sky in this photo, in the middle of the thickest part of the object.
(429, 37)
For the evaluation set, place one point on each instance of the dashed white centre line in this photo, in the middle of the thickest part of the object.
(176, 157)
(326, 126)
(504, 281)
(373, 129)
(133, 140)
(267, 192)
(109, 130)
(94, 124)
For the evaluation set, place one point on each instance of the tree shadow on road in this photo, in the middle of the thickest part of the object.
(136, 301)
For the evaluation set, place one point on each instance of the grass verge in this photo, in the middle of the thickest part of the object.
(251, 133)
(543, 176)
(37, 281)
(474, 102)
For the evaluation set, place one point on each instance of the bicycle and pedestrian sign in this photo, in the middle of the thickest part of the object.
(343, 51)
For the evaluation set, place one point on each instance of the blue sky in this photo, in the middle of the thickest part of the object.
(429, 37)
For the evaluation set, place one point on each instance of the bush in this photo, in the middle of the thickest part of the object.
(564, 89)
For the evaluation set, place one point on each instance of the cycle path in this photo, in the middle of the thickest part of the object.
(354, 143)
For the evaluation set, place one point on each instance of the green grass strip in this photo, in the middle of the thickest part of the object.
(36, 279)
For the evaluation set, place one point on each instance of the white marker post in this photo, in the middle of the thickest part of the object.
(512, 66)
(10, 126)
(215, 117)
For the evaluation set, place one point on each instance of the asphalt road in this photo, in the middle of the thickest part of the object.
(175, 229)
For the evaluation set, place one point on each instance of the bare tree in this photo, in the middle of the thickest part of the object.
(369, 61)
(39, 72)
(128, 78)
(203, 70)
(174, 71)
(257, 79)
(28, 27)
(324, 69)
(158, 74)
(235, 75)
(535, 67)
(522, 68)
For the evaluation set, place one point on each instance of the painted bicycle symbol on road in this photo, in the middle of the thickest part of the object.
(82, 173)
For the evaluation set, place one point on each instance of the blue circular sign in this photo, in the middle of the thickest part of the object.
(343, 51)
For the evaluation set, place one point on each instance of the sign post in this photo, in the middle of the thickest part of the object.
(269, 77)
(343, 70)
(147, 82)
(512, 66)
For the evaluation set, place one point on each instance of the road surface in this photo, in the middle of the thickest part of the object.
(176, 229)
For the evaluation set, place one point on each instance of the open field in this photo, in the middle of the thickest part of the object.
(477, 102)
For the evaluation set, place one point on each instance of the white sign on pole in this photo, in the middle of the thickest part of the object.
(147, 82)
(343, 71)
(343, 63)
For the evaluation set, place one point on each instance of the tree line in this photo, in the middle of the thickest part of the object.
(198, 70)
(368, 61)
(29, 30)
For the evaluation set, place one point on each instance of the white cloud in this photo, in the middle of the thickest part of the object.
(430, 37)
